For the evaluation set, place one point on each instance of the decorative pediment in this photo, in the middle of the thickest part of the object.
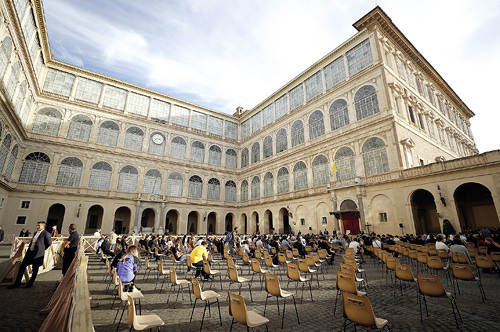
(408, 142)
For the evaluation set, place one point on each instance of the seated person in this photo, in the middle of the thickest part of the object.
(198, 254)
(127, 267)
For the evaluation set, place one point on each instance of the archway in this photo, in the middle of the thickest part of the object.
(55, 217)
(268, 222)
(285, 221)
(122, 218)
(424, 212)
(229, 222)
(211, 223)
(350, 216)
(244, 221)
(94, 219)
(148, 220)
(193, 222)
(171, 221)
(475, 206)
(255, 223)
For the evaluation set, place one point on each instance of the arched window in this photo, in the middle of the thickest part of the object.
(4, 150)
(35, 168)
(5, 53)
(244, 191)
(297, 133)
(13, 79)
(268, 184)
(320, 170)
(366, 102)
(375, 157)
(255, 152)
(157, 143)
(47, 122)
(80, 128)
(100, 176)
(70, 172)
(214, 155)
(178, 148)
(174, 185)
(255, 187)
(197, 151)
(344, 161)
(152, 182)
(133, 139)
(299, 176)
(244, 158)
(213, 189)
(127, 180)
(316, 125)
(108, 133)
(230, 191)
(339, 114)
(267, 147)
(12, 162)
(231, 158)
(281, 141)
(195, 187)
(283, 181)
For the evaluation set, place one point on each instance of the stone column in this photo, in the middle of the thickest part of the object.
(137, 226)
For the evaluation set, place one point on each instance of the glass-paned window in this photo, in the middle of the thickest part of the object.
(421, 120)
(244, 158)
(13, 79)
(29, 26)
(70, 172)
(26, 109)
(195, 187)
(199, 121)
(320, 170)
(450, 139)
(441, 134)
(12, 161)
(267, 147)
(256, 121)
(18, 104)
(180, 116)
(296, 97)
(255, 152)
(157, 143)
(100, 176)
(214, 155)
(411, 77)
(159, 110)
(268, 184)
(314, 85)
(88, 90)
(334, 72)
(297, 133)
(213, 189)
(339, 114)
(281, 106)
(58, 82)
(20, 6)
(215, 125)
(133, 139)
(366, 102)
(174, 185)
(401, 68)
(359, 57)
(244, 191)
(4, 150)
(80, 128)
(375, 157)
(197, 152)
(283, 181)
(430, 125)
(115, 97)
(231, 130)
(245, 128)
(138, 104)
(299, 176)
(316, 125)
(344, 161)
(127, 180)
(35, 48)
(47, 122)
(268, 114)
(35, 168)
(255, 190)
(281, 140)
(426, 91)
(231, 158)
(152, 182)
(230, 191)
(5, 53)
(178, 148)
(108, 133)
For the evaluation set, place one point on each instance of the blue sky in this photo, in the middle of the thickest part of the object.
(227, 53)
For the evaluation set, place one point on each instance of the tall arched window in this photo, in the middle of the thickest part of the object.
(231, 158)
(244, 158)
(100, 176)
(297, 133)
(344, 161)
(5, 53)
(214, 155)
(195, 187)
(366, 102)
(197, 151)
(268, 184)
(127, 180)
(4, 150)
(316, 125)
(70, 172)
(80, 128)
(157, 143)
(283, 181)
(255, 152)
(108, 133)
(299, 176)
(213, 189)
(255, 187)
(133, 139)
(339, 114)
(230, 191)
(47, 122)
(11, 162)
(267, 147)
(178, 148)
(375, 157)
(152, 182)
(244, 191)
(35, 168)
(320, 170)
(281, 141)
(12, 79)
(174, 185)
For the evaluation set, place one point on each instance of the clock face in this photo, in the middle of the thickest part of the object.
(157, 139)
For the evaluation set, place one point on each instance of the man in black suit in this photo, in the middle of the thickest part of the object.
(34, 255)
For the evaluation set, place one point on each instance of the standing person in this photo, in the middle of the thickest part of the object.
(34, 255)
(21, 233)
(70, 247)
(97, 232)
(54, 231)
(112, 239)
(1, 234)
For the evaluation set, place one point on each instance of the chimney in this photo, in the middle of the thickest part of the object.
(239, 111)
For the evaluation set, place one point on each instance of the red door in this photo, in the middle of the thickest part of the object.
(351, 222)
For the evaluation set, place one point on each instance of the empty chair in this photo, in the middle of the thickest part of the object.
(238, 310)
(273, 289)
(161, 272)
(136, 295)
(483, 250)
(147, 268)
(246, 260)
(350, 268)
(358, 311)
(435, 263)
(189, 264)
(269, 263)
(289, 255)
(390, 267)
(293, 274)
(459, 257)
(257, 270)
(464, 272)
(211, 273)
(234, 278)
(403, 273)
(283, 260)
(485, 262)
(141, 322)
(304, 267)
(422, 261)
(176, 262)
(179, 283)
(346, 282)
(209, 297)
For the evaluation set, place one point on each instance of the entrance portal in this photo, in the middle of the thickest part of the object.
(424, 212)
(171, 221)
(122, 219)
(475, 206)
(55, 217)
(94, 219)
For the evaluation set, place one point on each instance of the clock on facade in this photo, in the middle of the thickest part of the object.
(157, 139)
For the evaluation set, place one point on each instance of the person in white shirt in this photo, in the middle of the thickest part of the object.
(357, 249)
(112, 239)
(440, 245)
(97, 232)
(377, 243)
